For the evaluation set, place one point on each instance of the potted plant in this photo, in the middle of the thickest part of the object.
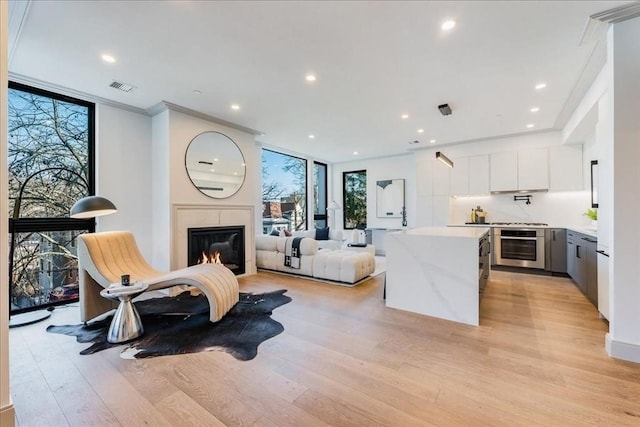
(592, 214)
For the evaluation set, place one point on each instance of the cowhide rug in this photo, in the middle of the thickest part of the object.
(179, 325)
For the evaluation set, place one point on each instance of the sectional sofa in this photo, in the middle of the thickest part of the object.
(342, 266)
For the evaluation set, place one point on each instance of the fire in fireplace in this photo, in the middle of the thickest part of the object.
(224, 245)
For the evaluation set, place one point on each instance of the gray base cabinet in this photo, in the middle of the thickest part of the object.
(556, 250)
(582, 264)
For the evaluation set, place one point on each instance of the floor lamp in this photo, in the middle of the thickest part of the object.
(87, 207)
(333, 207)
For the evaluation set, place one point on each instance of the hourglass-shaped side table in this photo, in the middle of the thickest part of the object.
(126, 324)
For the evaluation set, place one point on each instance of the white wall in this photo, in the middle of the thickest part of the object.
(624, 52)
(399, 167)
(123, 172)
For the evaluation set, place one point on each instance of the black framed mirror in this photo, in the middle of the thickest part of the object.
(594, 183)
(215, 165)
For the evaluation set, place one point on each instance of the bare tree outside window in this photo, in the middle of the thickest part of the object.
(50, 160)
(355, 199)
(284, 192)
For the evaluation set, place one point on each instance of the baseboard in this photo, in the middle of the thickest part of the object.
(622, 350)
(8, 416)
(315, 279)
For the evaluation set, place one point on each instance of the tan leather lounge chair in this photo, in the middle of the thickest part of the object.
(104, 257)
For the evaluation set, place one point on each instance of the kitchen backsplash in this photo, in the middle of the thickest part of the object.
(557, 208)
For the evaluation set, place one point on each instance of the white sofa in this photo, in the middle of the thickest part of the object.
(340, 266)
(335, 241)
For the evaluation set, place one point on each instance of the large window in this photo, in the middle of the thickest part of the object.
(320, 194)
(284, 192)
(354, 191)
(50, 160)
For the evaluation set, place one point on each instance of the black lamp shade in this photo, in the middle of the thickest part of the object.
(92, 206)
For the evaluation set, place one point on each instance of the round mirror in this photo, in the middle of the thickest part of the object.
(215, 165)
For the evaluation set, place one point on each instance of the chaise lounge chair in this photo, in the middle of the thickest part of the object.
(104, 257)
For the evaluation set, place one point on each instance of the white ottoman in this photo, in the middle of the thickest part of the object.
(343, 266)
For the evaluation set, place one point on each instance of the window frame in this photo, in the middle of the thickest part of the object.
(306, 182)
(322, 216)
(47, 224)
(344, 196)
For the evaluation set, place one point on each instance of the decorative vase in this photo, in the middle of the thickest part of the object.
(594, 224)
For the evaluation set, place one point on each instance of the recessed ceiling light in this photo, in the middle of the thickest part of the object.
(530, 125)
(448, 25)
(433, 141)
(310, 77)
(235, 107)
(235, 173)
(213, 170)
(355, 153)
(420, 130)
(311, 136)
(243, 165)
(541, 86)
(216, 159)
(534, 109)
(108, 58)
(405, 116)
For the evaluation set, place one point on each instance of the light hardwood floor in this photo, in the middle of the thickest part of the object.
(345, 359)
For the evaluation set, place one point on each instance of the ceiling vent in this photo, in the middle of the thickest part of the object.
(414, 142)
(125, 87)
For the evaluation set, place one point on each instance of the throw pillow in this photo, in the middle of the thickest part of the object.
(322, 233)
(274, 233)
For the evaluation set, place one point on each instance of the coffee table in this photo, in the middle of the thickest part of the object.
(126, 324)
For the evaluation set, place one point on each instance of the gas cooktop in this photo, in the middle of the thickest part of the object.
(537, 224)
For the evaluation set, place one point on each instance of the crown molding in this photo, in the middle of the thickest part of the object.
(51, 87)
(166, 105)
(18, 11)
(594, 33)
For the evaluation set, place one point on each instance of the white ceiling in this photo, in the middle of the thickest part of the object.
(373, 61)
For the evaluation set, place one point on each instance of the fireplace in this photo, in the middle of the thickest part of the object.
(217, 244)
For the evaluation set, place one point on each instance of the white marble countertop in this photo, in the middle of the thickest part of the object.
(588, 231)
(472, 232)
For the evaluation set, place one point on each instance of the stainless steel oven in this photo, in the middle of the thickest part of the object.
(519, 247)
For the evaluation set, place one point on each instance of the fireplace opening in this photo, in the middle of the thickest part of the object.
(224, 245)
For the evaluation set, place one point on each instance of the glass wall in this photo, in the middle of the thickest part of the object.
(320, 194)
(284, 192)
(50, 160)
(354, 191)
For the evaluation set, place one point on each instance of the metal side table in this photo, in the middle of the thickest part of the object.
(126, 324)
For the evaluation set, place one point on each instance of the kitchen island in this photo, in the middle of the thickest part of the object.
(438, 271)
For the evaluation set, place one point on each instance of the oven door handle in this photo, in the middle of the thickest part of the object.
(520, 238)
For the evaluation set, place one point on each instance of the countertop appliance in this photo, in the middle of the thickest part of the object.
(519, 246)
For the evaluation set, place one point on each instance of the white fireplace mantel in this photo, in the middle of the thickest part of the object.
(185, 216)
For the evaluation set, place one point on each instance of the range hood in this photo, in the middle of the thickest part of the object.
(539, 190)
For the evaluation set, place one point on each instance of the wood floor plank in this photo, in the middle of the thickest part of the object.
(74, 395)
(179, 409)
(537, 359)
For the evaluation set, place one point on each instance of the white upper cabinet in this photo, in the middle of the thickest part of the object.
(504, 171)
(470, 176)
(565, 168)
(441, 178)
(478, 175)
(460, 177)
(533, 169)
(520, 170)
